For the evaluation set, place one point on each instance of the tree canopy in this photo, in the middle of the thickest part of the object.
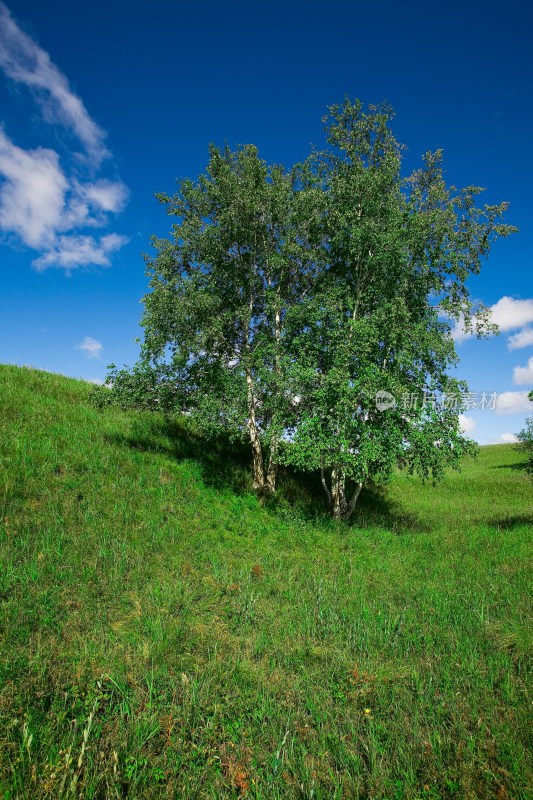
(285, 304)
(525, 439)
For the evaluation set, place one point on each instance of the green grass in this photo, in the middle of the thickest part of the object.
(164, 636)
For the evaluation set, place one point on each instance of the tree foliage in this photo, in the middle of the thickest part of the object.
(284, 302)
(220, 291)
(396, 256)
(525, 439)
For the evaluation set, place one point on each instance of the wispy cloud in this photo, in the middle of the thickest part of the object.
(521, 339)
(42, 204)
(504, 438)
(91, 347)
(25, 62)
(107, 196)
(523, 376)
(70, 252)
(467, 424)
(508, 314)
(513, 403)
(32, 196)
(508, 438)
(459, 334)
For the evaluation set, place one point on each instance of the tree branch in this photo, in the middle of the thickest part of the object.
(353, 501)
(324, 484)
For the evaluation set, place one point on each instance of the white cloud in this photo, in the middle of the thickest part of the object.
(91, 347)
(508, 438)
(521, 339)
(507, 313)
(108, 196)
(522, 376)
(466, 424)
(42, 204)
(32, 196)
(504, 438)
(90, 203)
(458, 332)
(513, 403)
(75, 251)
(25, 62)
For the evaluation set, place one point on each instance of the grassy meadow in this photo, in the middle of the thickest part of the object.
(162, 635)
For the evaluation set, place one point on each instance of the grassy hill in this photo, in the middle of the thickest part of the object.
(164, 636)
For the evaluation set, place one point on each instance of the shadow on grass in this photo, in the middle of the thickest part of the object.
(519, 465)
(303, 493)
(375, 509)
(226, 465)
(510, 523)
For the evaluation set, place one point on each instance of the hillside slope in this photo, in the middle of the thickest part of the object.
(163, 636)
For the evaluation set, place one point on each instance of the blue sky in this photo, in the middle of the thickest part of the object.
(103, 105)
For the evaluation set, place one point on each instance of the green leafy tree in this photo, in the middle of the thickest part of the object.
(284, 303)
(221, 288)
(396, 256)
(525, 439)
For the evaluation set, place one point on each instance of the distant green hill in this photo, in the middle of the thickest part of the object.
(162, 635)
